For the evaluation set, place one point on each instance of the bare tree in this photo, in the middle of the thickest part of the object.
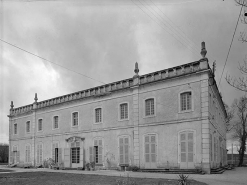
(4, 153)
(240, 126)
(241, 82)
(229, 117)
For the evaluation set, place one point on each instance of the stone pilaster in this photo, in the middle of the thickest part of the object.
(33, 126)
(205, 150)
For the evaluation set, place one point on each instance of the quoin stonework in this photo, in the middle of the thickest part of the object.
(173, 118)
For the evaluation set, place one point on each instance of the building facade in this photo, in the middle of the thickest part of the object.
(173, 118)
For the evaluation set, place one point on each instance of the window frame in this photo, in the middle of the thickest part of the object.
(30, 148)
(103, 146)
(53, 122)
(15, 130)
(192, 101)
(72, 119)
(194, 144)
(129, 152)
(156, 143)
(155, 107)
(42, 153)
(41, 124)
(119, 111)
(29, 127)
(101, 121)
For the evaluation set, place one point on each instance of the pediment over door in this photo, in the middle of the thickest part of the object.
(74, 139)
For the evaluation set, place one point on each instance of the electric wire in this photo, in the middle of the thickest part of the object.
(179, 30)
(160, 25)
(173, 29)
(231, 44)
(51, 61)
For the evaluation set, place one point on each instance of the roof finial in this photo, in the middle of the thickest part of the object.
(36, 98)
(136, 69)
(11, 105)
(203, 50)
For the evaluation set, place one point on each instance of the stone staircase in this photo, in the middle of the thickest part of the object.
(220, 170)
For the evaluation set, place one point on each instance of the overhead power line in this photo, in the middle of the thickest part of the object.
(231, 44)
(178, 39)
(51, 61)
(179, 30)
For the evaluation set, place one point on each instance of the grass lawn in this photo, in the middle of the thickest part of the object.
(48, 178)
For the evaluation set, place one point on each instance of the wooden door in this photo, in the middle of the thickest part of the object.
(124, 150)
(150, 148)
(186, 150)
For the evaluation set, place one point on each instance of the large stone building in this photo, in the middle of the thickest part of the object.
(173, 118)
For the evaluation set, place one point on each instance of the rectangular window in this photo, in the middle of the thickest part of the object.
(40, 126)
(15, 128)
(98, 151)
(75, 152)
(28, 126)
(39, 154)
(55, 122)
(55, 152)
(75, 119)
(149, 107)
(28, 150)
(185, 99)
(124, 111)
(98, 115)
(124, 150)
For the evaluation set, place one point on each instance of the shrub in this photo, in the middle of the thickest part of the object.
(132, 168)
(183, 179)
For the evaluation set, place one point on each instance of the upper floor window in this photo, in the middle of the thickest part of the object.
(55, 122)
(40, 125)
(15, 128)
(98, 115)
(186, 101)
(75, 119)
(149, 107)
(27, 126)
(123, 111)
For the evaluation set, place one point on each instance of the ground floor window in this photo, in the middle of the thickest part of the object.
(55, 152)
(96, 152)
(75, 155)
(39, 153)
(28, 151)
(75, 152)
(124, 150)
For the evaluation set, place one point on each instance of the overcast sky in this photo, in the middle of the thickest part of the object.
(104, 38)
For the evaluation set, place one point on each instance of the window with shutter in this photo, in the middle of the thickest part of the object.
(150, 148)
(187, 149)
(28, 150)
(98, 151)
(39, 154)
(124, 150)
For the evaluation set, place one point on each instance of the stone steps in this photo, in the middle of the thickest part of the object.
(172, 171)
